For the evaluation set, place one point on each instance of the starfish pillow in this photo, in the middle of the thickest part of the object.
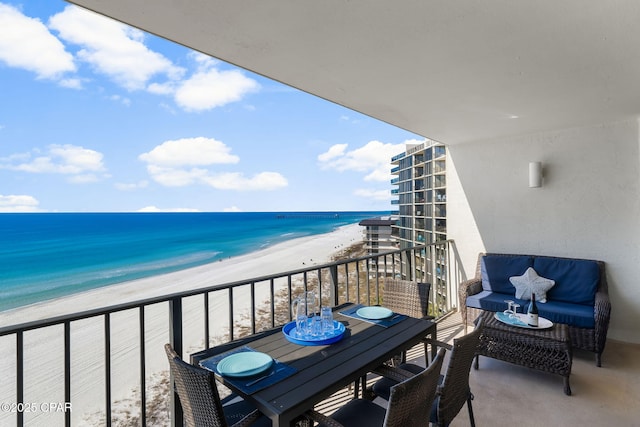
(531, 282)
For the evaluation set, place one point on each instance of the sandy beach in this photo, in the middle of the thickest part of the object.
(44, 349)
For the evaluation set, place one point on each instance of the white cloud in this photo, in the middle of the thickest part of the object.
(156, 209)
(26, 43)
(184, 162)
(334, 151)
(208, 87)
(122, 186)
(82, 164)
(71, 83)
(176, 177)
(117, 51)
(190, 151)
(18, 203)
(372, 158)
(120, 99)
(264, 181)
(211, 88)
(232, 209)
(383, 195)
(112, 48)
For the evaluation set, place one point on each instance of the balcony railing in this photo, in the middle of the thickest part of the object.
(222, 312)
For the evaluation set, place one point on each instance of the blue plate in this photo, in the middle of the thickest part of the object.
(374, 313)
(338, 332)
(244, 364)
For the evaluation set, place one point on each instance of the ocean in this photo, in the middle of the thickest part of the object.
(48, 255)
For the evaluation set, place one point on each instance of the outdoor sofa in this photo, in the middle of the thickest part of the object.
(579, 297)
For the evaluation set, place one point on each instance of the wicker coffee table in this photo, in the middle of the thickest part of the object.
(547, 350)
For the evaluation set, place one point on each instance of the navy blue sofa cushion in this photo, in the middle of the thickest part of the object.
(578, 315)
(576, 280)
(496, 271)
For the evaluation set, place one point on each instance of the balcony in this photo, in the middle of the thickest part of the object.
(193, 320)
(489, 150)
(398, 157)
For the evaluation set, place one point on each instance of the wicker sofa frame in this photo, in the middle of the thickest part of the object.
(592, 340)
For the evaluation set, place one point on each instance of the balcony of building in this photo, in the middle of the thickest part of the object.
(565, 97)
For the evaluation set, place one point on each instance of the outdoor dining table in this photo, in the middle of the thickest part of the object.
(319, 371)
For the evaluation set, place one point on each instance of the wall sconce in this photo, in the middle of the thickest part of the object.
(535, 174)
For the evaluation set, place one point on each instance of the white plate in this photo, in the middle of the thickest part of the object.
(521, 322)
(374, 313)
(244, 364)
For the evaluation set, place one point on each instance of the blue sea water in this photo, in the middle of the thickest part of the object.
(44, 256)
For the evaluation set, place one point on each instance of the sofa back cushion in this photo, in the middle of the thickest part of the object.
(576, 279)
(496, 270)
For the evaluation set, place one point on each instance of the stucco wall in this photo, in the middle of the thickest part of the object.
(588, 206)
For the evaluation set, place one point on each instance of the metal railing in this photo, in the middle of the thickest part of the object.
(190, 320)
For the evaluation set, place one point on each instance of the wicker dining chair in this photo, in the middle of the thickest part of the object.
(200, 401)
(406, 297)
(409, 405)
(453, 391)
(410, 298)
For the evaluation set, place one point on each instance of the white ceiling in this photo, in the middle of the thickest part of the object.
(453, 71)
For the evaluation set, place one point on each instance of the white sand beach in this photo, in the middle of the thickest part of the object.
(44, 349)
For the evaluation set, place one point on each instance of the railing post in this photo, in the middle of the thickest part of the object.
(175, 338)
(19, 376)
(143, 368)
(107, 368)
(67, 370)
(333, 271)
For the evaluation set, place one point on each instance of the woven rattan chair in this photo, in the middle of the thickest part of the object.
(409, 405)
(201, 404)
(453, 391)
(409, 298)
(404, 297)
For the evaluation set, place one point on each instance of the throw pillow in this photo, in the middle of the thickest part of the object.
(531, 282)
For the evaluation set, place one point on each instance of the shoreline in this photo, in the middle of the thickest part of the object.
(281, 257)
(87, 342)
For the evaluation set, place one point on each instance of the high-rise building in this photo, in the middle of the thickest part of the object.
(421, 189)
(379, 235)
(421, 193)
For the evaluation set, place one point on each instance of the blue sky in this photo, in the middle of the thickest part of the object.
(96, 116)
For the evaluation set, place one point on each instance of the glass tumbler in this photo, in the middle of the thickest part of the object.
(326, 317)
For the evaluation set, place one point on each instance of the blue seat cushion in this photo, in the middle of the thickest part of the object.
(496, 270)
(360, 413)
(492, 301)
(576, 280)
(235, 409)
(577, 315)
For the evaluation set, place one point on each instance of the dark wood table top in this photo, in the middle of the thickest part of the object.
(322, 370)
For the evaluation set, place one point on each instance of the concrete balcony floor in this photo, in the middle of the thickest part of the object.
(509, 395)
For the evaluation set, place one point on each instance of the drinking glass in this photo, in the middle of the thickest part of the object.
(515, 311)
(316, 326)
(509, 310)
(326, 316)
(311, 302)
(298, 309)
